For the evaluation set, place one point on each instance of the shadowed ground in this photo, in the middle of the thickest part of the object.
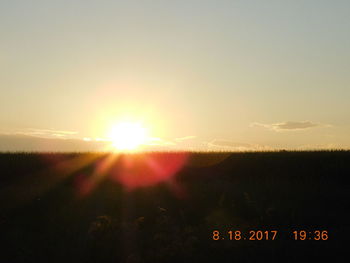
(83, 208)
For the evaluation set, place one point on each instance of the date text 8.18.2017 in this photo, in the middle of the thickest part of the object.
(269, 235)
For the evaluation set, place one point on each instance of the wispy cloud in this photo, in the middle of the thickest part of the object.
(45, 133)
(22, 142)
(328, 146)
(159, 142)
(168, 142)
(289, 125)
(236, 146)
(185, 138)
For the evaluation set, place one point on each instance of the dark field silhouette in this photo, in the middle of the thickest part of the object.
(164, 207)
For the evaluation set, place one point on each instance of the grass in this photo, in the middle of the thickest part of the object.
(45, 217)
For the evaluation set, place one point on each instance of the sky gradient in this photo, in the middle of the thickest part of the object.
(238, 75)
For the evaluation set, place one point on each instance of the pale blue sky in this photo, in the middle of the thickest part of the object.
(217, 70)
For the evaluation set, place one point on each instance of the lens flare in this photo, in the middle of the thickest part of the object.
(142, 170)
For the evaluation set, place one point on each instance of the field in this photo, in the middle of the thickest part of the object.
(84, 207)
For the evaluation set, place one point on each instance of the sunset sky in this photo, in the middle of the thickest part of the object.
(220, 74)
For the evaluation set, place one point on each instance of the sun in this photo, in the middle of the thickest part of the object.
(128, 136)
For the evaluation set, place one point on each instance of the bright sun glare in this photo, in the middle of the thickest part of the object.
(128, 136)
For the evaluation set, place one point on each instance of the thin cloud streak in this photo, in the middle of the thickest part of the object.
(185, 138)
(20, 142)
(42, 133)
(289, 125)
(236, 146)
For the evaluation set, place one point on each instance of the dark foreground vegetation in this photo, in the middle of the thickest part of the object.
(70, 208)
